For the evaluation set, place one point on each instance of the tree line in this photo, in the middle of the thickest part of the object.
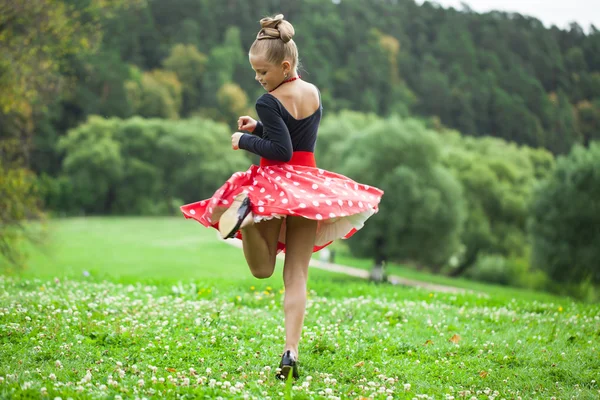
(102, 101)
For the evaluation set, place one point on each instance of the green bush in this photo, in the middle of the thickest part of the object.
(565, 219)
(141, 166)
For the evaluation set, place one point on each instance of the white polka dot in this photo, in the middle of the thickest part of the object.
(315, 186)
(302, 191)
(341, 203)
(320, 171)
(255, 183)
(328, 202)
(316, 203)
(296, 196)
(261, 209)
(360, 204)
(210, 210)
(261, 203)
(322, 195)
(278, 178)
(262, 190)
(288, 175)
(271, 171)
(202, 203)
(282, 194)
(296, 183)
(319, 216)
(302, 205)
(350, 203)
(355, 186)
(193, 212)
(251, 188)
(284, 201)
(331, 215)
(224, 201)
(367, 187)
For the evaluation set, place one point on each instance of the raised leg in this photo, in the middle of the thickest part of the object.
(260, 246)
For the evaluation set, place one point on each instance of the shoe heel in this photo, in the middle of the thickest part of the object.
(287, 365)
(232, 218)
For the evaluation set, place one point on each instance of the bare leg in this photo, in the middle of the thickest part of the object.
(260, 246)
(300, 239)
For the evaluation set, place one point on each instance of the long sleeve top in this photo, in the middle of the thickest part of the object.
(278, 134)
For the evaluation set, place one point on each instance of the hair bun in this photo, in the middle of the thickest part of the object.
(276, 28)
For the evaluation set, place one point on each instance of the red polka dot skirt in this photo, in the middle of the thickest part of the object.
(296, 188)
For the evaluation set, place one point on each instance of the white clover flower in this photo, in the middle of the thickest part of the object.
(141, 383)
(407, 387)
(52, 377)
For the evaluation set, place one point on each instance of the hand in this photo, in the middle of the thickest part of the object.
(246, 123)
(235, 140)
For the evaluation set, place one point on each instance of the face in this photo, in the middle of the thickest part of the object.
(267, 74)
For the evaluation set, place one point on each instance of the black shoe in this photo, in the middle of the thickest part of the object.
(232, 218)
(288, 364)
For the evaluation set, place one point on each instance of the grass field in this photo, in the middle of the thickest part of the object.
(141, 307)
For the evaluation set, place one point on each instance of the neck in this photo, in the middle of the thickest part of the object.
(293, 78)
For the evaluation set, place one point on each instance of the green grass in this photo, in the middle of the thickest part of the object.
(410, 273)
(169, 311)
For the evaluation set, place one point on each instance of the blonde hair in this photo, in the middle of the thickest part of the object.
(274, 41)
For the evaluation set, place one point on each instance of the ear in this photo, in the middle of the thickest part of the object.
(286, 66)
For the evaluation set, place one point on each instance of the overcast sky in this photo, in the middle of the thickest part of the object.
(550, 12)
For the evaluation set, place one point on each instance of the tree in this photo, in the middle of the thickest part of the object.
(37, 39)
(565, 218)
(18, 205)
(156, 94)
(497, 180)
(422, 212)
(189, 65)
(145, 166)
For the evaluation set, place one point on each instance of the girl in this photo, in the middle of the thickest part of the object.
(286, 203)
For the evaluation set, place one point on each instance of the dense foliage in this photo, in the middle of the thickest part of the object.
(125, 107)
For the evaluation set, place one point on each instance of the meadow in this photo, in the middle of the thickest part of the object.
(159, 307)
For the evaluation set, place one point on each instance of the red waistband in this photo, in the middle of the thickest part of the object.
(304, 158)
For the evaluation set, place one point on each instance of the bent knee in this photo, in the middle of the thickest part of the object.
(262, 273)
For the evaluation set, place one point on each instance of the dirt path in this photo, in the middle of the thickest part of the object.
(361, 273)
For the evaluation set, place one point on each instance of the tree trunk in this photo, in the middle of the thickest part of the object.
(464, 266)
